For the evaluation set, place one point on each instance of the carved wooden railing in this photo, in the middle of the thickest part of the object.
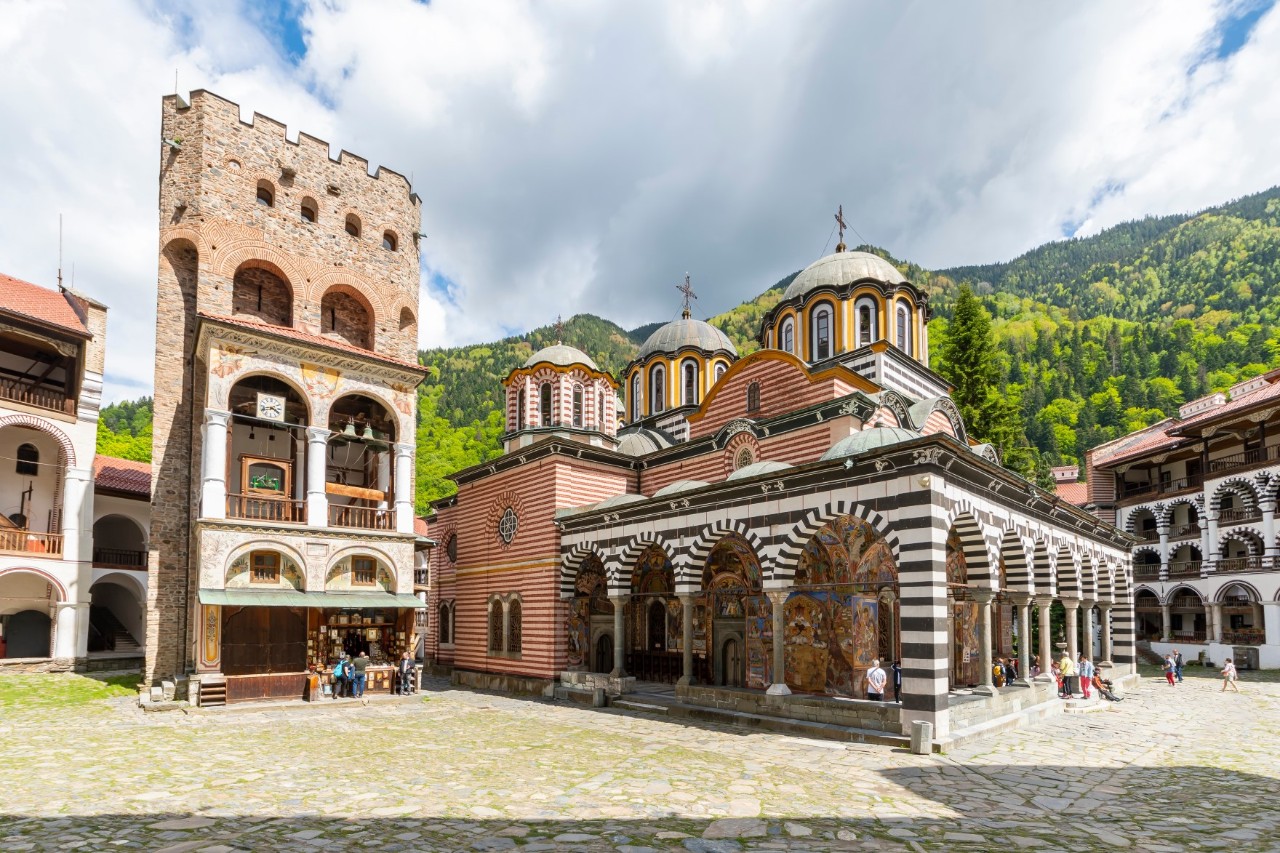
(28, 542)
(40, 398)
(1185, 569)
(120, 557)
(362, 517)
(1236, 515)
(1256, 456)
(258, 508)
(1236, 565)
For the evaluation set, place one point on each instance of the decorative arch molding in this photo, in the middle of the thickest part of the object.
(571, 562)
(1106, 584)
(1169, 596)
(793, 545)
(1131, 517)
(1068, 573)
(29, 570)
(705, 542)
(220, 392)
(123, 579)
(385, 563)
(900, 407)
(1017, 567)
(1152, 591)
(355, 284)
(230, 258)
(1089, 580)
(630, 553)
(1240, 486)
(1046, 581)
(979, 567)
(41, 425)
(1219, 597)
(1249, 535)
(1149, 548)
(196, 240)
(947, 407)
(244, 549)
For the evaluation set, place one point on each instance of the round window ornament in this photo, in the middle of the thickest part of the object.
(508, 525)
(743, 458)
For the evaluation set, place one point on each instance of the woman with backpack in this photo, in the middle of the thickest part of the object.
(341, 676)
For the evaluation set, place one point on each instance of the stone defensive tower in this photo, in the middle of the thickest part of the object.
(287, 275)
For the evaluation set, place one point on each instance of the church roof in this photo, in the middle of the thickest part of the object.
(679, 486)
(843, 268)
(640, 442)
(757, 468)
(561, 355)
(869, 439)
(122, 475)
(33, 302)
(686, 332)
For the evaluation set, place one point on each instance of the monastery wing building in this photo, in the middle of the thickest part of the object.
(758, 529)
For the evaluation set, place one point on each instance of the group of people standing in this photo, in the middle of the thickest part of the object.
(878, 679)
(350, 676)
(1081, 672)
(1174, 662)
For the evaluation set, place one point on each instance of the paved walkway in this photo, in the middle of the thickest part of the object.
(1169, 769)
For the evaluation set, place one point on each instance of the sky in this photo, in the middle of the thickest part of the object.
(584, 156)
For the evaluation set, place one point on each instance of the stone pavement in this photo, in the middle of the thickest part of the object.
(1169, 769)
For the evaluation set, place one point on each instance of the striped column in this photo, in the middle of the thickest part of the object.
(922, 582)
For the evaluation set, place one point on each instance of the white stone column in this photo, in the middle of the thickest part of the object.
(619, 636)
(317, 457)
(983, 597)
(1215, 623)
(77, 515)
(1269, 534)
(1166, 624)
(404, 488)
(1210, 554)
(67, 642)
(1043, 603)
(1024, 639)
(1164, 550)
(778, 597)
(686, 638)
(213, 476)
(1271, 622)
(1086, 629)
(1104, 617)
(1073, 633)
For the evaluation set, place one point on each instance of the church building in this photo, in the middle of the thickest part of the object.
(763, 527)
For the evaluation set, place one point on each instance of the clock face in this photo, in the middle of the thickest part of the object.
(270, 407)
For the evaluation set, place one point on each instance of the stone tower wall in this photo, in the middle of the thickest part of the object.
(211, 226)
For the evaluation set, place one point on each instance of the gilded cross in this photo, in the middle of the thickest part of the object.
(841, 225)
(687, 290)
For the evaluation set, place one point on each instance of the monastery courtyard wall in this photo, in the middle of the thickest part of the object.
(1168, 769)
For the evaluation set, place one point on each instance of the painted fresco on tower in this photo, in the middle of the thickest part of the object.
(590, 596)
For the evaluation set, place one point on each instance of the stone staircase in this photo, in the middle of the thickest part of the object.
(113, 635)
(213, 691)
(1146, 655)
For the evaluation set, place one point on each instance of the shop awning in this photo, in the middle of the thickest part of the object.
(296, 598)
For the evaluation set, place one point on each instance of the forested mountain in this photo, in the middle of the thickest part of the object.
(1096, 336)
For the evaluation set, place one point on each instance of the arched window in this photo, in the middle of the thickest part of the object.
(743, 458)
(577, 406)
(600, 413)
(442, 619)
(689, 385)
(753, 397)
(353, 225)
(821, 331)
(308, 210)
(904, 327)
(635, 396)
(264, 567)
(787, 336)
(544, 405)
(721, 367)
(520, 409)
(266, 194)
(495, 625)
(389, 241)
(28, 460)
(513, 626)
(657, 390)
(866, 314)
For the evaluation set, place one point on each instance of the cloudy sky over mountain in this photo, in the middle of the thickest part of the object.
(582, 156)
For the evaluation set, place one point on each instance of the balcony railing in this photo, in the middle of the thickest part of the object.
(1244, 637)
(27, 542)
(1131, 490)
(1186, 531)
(40, 398)
(1151, 534)
(120, 558)
(1146, 573)
(1185, 569)
(1256, 456)
(420, 577)
(362, 517)
(1238, 515)
(1236, 565)
(258, 508)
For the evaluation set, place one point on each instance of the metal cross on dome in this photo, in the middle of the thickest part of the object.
(559, 329)
(687, 290)
(840, 223)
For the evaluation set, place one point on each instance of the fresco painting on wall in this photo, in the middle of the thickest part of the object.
(963, 616)
(732, 585)
(590, 595)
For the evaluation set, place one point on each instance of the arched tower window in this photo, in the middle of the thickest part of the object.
(787, 336)
(495, 626)
(520, 409)
(600, 400)
(904, 327)
(689, 383)
(263, 294)
(266, 194)
(866, 317)
(635, 396)
(389, 241)
(753, 397)
(821, 332)
(345, 316)
(514, 618)
(28, 460)
(308, 210)
(577, 406)
(442, 620)
(353, 225)
(544, 405)
(721, 367)
(657, 389)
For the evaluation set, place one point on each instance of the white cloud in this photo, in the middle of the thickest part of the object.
(577, 156)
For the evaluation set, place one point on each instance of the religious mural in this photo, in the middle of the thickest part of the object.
(733, 597)
(590, 596)
(963, 616)
(834, 618)
(653, 581)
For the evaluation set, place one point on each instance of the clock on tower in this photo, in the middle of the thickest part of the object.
(270, 407)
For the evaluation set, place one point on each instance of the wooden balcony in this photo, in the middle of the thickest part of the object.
(268, 509)
(1239, 565)
(1135, 490)
(1186, 531)
(1244, 637)
(421, 577)
(1245, 459)
(1239, 515)
(362, 517)
(37, 397)
(1146, 573)
(1185, 569)
(1151, 534)
(119, 558)
(29, 542)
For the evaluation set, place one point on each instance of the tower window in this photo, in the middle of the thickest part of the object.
(308, 210)
(753, 397)
(635, 396)
(821, 347)
(266, 195)
(904, 327)
(353, 225)
(28, 460)
(520, 410)
(389, 241)
(657, 390)
(577, 406)
(544, 407)
(689, 394)
(600, 398)
(721, 367)
(866, 322)
(787, 342)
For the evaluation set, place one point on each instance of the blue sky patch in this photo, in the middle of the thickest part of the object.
(281, 22)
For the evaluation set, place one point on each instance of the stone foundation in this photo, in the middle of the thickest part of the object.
(24, 665)
(590, 681)
(852, 713)
(501, 683)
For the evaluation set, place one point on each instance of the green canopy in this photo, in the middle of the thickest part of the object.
(297, 598)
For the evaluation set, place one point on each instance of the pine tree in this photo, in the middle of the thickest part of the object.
(968, 361)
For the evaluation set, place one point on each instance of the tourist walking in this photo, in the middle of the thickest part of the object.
(1168, 669)
(1068, 675)
(897, 681)
(359, 665)
(341, 677)
(1229, 676)
(406, 672)
(1177, 665)
(876, 680)
(1085, 667)
(1056, 672)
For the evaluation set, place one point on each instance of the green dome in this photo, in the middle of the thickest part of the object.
(868, 440)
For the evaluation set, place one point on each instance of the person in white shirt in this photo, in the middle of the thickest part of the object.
(1229, 676)
(876, 680)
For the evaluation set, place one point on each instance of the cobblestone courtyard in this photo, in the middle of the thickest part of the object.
(1184, 768)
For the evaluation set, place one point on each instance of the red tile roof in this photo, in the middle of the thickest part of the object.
(420, 527)
(1270, 391)
(33, 302)
(122, 475)
(1076, 494)
(308, 338)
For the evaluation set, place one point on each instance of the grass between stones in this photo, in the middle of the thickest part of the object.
(62, 690)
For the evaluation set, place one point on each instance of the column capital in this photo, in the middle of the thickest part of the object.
(216, 416)
(777, 596)
(687, 598)
(317, 434)
(404, 449)
(982, 595)
(1042, 600)
(619, 596)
